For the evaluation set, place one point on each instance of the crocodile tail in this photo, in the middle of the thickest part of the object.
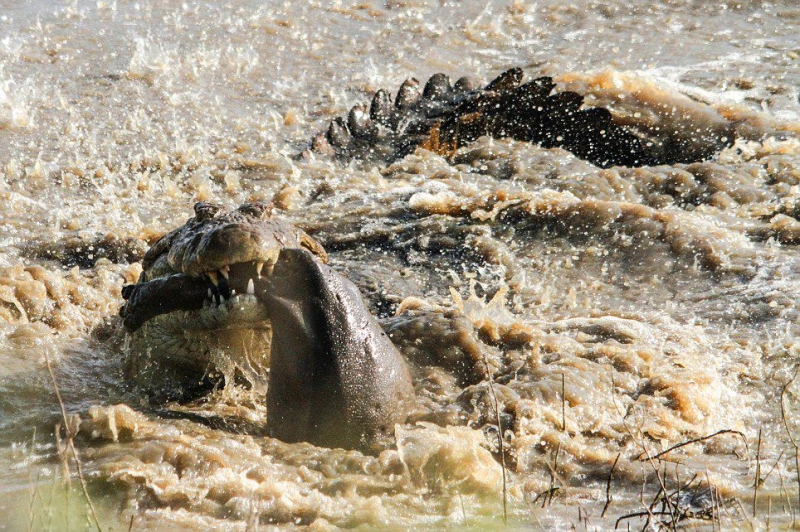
(442, 117)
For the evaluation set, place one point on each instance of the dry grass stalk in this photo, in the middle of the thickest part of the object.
(769, 510)
(563, 406)
(53, 487)
(743, 512)
(697, 440)
(791, 438)
(758, 481)
(70, 444)
(548, 495)
(501, 447)
(780, 456)
(35, 493)
(463, 510)
(786, 494)
(533, 513)
(608, 486)
(715, 505)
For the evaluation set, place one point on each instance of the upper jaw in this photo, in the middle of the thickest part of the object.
(213, 256)
(210, 243)
(215, 249)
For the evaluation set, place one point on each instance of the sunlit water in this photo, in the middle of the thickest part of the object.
(620, 311)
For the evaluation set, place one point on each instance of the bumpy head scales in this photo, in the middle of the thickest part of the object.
(215, 239)
(214, 255)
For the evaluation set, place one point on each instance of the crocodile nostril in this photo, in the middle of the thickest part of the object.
(127, 291)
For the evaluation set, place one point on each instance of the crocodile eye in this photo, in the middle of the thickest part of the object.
(257, 209)
(314, 247)
(205, 211)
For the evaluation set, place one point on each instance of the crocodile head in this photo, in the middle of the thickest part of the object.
(242, 293)
(193, 312)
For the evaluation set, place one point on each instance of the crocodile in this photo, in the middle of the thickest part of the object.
(445, 116)
(254, 286)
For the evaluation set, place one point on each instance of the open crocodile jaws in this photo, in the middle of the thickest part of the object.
(245, 281)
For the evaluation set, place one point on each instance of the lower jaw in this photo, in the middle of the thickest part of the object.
(226, 343)
(243, 311)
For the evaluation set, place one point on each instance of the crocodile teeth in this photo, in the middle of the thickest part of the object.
(272, 260)
(251, 287)
(210, 294)
(259, 267)
(225, 271)
(214, 279)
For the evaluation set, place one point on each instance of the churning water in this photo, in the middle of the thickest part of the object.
(600, 316)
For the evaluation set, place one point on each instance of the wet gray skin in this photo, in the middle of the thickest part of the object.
(335, 379)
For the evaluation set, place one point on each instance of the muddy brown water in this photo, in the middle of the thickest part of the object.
(618, 312)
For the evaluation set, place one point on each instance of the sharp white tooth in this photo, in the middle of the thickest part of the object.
(259, 267)
(221, 299)
(214, 279)
(210, 294)
(251, 287)
(225, 271)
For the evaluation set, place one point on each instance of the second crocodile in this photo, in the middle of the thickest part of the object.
(443, 117)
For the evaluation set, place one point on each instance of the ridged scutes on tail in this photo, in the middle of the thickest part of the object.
(443, 117)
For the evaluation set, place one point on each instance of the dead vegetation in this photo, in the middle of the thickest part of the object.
(54, 510)
(675, 494)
